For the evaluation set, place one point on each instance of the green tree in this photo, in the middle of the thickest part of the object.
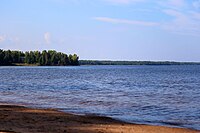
(27, 58)
(2, 54)
(44, 59)
(8, 57)
(74, 60)
(35, 57)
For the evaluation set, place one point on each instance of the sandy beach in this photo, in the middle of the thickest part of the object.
(20, 119)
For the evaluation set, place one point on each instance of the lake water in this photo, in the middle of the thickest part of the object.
(156, 95)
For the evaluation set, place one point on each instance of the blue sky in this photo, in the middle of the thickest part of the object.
(155, 30)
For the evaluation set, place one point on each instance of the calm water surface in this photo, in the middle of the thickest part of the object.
(156, 95)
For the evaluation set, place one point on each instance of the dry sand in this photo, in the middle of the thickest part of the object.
(19, 119)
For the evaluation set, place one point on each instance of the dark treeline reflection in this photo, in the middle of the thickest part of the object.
(44, 58)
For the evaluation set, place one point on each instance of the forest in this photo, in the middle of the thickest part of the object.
(44, 58)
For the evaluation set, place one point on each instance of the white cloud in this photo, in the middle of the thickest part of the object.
(11, 39)
(125, 21)
(186, 23)
(183, 18)
(180, 16)
(47, 37)
(173, 13)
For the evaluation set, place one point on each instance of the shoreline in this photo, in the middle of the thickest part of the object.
(19, 118)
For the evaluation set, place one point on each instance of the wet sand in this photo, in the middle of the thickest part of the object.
(20, 119)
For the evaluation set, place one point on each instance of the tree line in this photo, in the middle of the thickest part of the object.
(102, 62)
(44, 58)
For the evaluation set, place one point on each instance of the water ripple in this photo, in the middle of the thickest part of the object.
(157, 95)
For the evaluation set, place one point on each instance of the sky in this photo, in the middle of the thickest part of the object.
(150, 30)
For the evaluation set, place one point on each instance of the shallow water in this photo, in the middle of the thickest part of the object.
(156, 95)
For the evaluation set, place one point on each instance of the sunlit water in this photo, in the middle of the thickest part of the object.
(156, 95)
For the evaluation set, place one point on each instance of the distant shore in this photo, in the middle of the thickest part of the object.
(99, 63)
(110, 62)
(15, 118)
